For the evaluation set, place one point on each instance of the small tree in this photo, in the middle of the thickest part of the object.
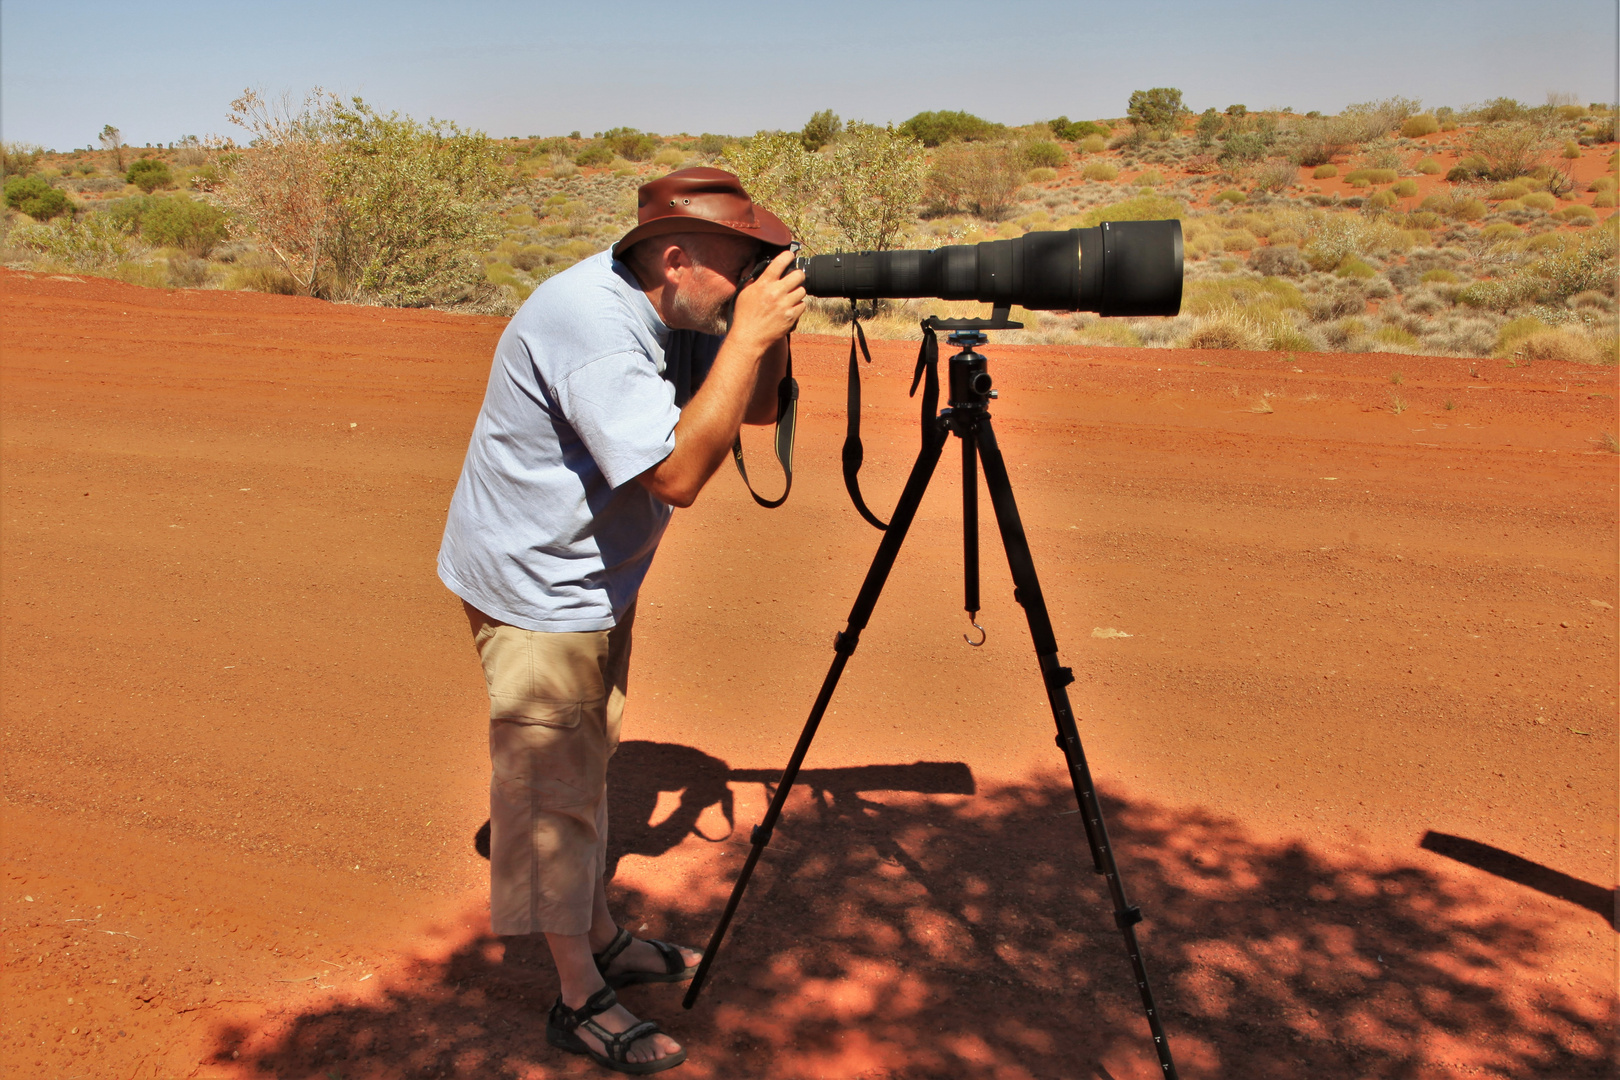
(280, 191)
(113, 139)
(781, 175)
(19, 159)
(822, 128)
(413, 204)
(874, 179)
(1158, 109)
(1209, 126)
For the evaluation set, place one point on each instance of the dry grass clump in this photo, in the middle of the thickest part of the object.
(1429, 167)
(1420, 125)
(1099, 170)
(1326, 172)
(1405, 188)
(1539, 200)
(1565, 344)
(1092, 144)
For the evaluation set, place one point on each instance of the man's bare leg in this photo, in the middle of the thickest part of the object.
(638, 956)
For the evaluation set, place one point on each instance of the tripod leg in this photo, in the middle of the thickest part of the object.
(1027, 591)
(970, 533)
(844, 646)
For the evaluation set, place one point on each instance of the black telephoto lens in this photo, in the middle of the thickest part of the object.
(1118, 268)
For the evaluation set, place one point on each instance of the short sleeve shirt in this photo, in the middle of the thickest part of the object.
(548, 528)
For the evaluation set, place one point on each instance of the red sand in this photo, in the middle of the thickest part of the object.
(244, 729)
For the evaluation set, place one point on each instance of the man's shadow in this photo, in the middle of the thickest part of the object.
(641, 771)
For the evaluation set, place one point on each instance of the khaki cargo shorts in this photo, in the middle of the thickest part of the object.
(555, 704)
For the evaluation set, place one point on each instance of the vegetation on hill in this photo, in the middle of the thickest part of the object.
(1388, 226)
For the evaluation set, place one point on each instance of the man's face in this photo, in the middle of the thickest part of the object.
(708, 287)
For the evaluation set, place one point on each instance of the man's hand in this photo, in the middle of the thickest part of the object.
(769, 307)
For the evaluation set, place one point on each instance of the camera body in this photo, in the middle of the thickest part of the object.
(1128, 268)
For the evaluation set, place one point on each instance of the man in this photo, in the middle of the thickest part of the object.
(615, 393)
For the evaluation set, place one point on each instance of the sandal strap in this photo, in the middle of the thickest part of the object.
(617, 1044)
(621, 941)
(600, 1002)
(673, 964)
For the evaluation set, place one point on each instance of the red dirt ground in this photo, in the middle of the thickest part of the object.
(244, 727)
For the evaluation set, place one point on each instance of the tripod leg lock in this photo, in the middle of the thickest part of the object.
(1128, 917)
(761, 837)
(845, 642)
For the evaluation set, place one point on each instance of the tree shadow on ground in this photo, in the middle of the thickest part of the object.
(906, 938)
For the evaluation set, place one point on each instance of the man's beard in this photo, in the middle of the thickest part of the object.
(715, 319)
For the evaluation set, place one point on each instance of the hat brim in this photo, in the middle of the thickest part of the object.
(768, 230)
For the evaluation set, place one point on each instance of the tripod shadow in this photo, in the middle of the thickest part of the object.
(1521, 871)
(909, 938)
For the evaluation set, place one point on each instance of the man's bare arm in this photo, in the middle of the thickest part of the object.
(772, 366)
(765, 313)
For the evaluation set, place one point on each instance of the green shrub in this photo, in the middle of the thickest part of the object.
(1353, 267)
(149, 174)
(1063, 129)
(1139, 208)
(1326, 172)
(1420, 125)
(1439, 275)
(1429, 167)
(194, 227)
(1405, 188)
(1045, 155)
(594, 156)
(630, 144)
(1230, 195)
(938, 128)
(712, 145)
(1099, 170)
(1243, 146)
(822, 128)
(33, 196)
(1092, 144)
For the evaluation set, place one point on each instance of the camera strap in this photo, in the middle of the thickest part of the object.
(853, 451)
(787, 414)
(926, 373)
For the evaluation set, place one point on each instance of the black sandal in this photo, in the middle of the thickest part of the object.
(563, 1025)
(675, 969)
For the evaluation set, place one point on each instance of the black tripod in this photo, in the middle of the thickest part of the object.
(968, 418)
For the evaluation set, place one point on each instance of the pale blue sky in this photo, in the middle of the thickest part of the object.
(161, 69)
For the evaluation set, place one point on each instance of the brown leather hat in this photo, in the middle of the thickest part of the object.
(701, 200)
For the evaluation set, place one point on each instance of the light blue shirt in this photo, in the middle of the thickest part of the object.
(548, 529)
